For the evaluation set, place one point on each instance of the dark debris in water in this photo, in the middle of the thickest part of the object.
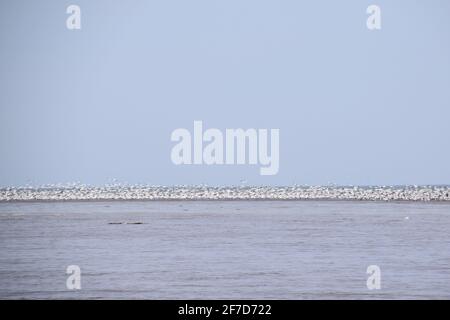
(125, 223)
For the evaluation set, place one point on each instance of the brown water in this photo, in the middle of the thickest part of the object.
(225, 249)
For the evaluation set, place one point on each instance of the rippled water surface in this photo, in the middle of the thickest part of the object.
(225, 249)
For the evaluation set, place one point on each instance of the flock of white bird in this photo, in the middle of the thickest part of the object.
(139, 192)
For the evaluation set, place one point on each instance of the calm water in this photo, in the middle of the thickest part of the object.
(230, 249)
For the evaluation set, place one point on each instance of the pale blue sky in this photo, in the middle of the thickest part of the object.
(353, 106)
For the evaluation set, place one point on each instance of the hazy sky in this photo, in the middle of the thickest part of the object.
(353, 106)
